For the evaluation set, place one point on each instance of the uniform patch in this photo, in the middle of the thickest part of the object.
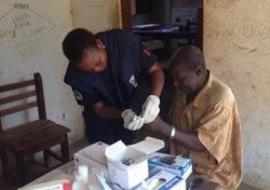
(146, 52)
(132, 81)
(78, 95)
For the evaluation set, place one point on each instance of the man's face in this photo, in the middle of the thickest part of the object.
(93, 60)
(185, 79)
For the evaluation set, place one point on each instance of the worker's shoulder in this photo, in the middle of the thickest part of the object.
(116, 32)
(78, 79)
(220, 94)
(123, 35)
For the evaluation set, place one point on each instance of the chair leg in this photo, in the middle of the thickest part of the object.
(46, 158)
(5, 165)
(20, 169)
(65, 150)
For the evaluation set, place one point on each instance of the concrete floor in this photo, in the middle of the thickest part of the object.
(79, 145)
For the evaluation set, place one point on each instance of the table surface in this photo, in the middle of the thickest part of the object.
(66, 172)
(63, 172)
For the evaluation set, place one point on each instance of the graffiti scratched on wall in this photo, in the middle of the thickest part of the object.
(22, 25)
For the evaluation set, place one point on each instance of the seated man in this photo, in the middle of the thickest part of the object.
(205, 121)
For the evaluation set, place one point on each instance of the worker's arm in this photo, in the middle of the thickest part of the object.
(127, 115)
(189, 140)
(106, 112)
(157, 79)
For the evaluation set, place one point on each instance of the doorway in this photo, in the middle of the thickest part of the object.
(164, 25)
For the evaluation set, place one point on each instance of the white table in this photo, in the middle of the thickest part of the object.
(66, 171)
(63, 172)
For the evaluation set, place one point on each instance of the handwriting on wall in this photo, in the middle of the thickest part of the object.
(22, 25)
(245, 31)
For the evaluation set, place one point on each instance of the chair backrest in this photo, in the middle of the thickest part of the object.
(37, 92)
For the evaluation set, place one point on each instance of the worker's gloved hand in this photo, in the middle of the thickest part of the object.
(150, 109)
(128, 116)
(131, 120)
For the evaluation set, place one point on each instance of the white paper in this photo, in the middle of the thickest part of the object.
(149, 145)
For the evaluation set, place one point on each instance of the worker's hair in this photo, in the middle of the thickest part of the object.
(191, 56)
(76, 42)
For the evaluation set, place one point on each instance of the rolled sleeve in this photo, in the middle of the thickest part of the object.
(146, 57)
(84, 98)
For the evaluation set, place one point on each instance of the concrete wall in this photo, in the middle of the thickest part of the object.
(30, 41)
(31, 37)
(237, 48)
(236, 44)
(31, 34)
(96, 15)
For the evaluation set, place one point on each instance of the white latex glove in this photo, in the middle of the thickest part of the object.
(131, 120)
(150, 109)
(128, 115)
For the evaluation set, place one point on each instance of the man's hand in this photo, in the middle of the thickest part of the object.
(150, 109)
(131, 120)
(187, 139)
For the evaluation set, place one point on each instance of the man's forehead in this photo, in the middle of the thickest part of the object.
(176, 74)
(179, 68)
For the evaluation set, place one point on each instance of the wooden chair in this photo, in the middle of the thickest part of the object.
(31, 137)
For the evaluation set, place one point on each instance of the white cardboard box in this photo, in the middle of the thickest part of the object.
(132, 174)
(92, 156)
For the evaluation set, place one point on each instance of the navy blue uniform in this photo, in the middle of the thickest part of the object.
(128, 62)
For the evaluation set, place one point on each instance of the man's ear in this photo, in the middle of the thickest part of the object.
(100, 44)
